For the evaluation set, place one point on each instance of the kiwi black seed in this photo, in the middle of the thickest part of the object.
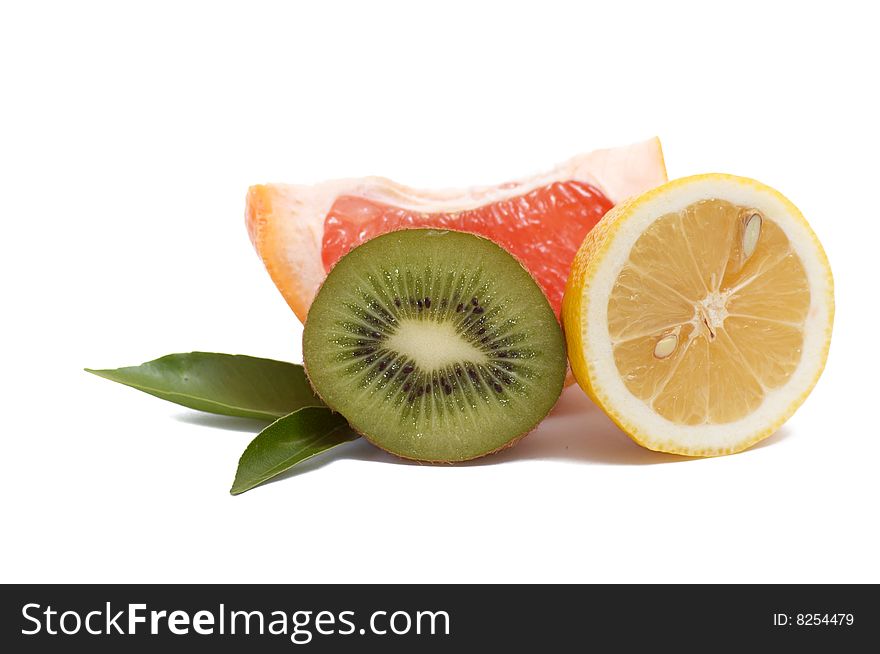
(435, 345)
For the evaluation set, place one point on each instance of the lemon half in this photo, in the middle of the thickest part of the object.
(698, 315)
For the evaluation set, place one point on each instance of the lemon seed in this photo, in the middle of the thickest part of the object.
(666, 346)
(751, 234)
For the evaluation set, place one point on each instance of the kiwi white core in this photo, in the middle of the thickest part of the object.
(433, 345)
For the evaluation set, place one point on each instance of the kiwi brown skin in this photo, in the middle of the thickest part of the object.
(427, 460)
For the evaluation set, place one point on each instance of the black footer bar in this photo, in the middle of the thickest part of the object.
(436, 617)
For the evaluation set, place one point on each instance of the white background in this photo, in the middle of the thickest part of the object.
(128, 137)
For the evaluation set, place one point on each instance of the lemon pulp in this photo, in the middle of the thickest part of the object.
(707, 316)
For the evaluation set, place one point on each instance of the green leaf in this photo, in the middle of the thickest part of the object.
(228, 384)
(288, 441)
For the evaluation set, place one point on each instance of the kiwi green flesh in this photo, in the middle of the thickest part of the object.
(435, 345)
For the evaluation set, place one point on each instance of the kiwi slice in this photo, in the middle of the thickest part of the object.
(435, 345)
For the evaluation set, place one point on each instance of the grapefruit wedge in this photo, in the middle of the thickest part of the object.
(301, 231)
